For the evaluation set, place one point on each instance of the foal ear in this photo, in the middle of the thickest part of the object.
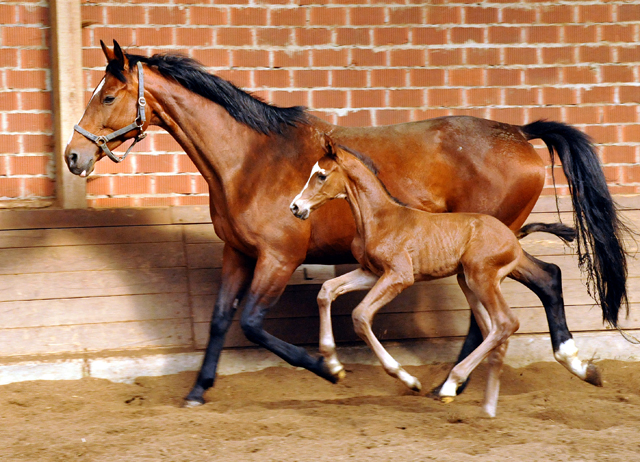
(109, 54)
(329, 146)
(119, 55)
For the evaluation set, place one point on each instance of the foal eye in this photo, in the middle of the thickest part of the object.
(322, 177)
(109, 99)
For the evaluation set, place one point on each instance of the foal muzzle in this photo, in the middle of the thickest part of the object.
(138, 123)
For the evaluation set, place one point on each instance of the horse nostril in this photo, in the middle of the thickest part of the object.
(73, 159)
(294, 209)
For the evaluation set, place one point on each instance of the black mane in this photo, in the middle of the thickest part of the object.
(370, 164)
(242, 106)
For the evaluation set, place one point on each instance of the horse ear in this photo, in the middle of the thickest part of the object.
(329, 146)
(119, 56)
(109, 54)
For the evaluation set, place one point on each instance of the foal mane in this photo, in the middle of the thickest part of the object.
(242, 106)
(370, 164)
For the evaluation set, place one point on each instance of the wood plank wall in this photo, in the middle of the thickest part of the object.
(96, 281)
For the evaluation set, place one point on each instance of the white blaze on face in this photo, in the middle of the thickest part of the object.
(316, 169)
(95, 92)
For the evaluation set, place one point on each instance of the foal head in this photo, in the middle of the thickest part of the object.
(115, 109)
(327, 181)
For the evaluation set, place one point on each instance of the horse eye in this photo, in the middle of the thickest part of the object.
(322, 177)
(109, 99)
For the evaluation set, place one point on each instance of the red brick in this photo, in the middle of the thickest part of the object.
(100, 185)
(123, 35)
(579, 74)
(520, 56)
(617, 32)
(11, 187)
(163, 142)
(515, 15)
(406, 98)
(467, 34)
(426, 77)
(118, 14)
(315, 36)
(631, 133)
(408, 58)
(595, 13)
(37, 187)
(250, 58)
(10, 144)
(628, 54)
(559, 96)
(444, 15)
(390, 117)
(388, 78)
(618, 154)
(483, 96)
(406, 15)
(557, 14)
(550, 113)
(248, 16)
(601, 54)
(324, 16)
(445, 97)
(521, 96)
(288, 17)
(40, 100)
(580, 34)
(275, 37)
(365, 16)
(186, 36)
(543, 34)
(324, 58)
(499, 34)
(9, 14)
(213, 57)
(363, 57)
(428, 36)
(33, 79)
(348, 36)
(390, 36)
(480, 15)
(30, 165)
(310, 78)
(602, 133)
(355, 119)
(629, 12)
(328, 99)
(167, 15)
(22, 36)
(9, 57)
(593, 95)
(298, 58)
(28, 122)
(582, 114)
(445, 57)
(367, 98)
(276, 78)
(617, 74)
(180, 184)
(619, 114)
(185, 164)
(557, 55)
(348, 78)
(542, 76)
(208, 16)
(424, 114)
(234, 36)
(8, 101)
(33, 15)
(483, 56)
(466, 77)
(290, 98)
(512, 115)
(152, 164)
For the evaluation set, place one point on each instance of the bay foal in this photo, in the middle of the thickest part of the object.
(398, 245)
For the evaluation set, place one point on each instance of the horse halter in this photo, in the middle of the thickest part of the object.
(136, 125)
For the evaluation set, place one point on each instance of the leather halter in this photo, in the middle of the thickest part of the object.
(137, 124)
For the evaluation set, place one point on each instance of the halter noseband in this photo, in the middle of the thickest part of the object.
(136, 125)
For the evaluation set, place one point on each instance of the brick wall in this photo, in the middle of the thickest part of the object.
(367, 63)
(25, 102)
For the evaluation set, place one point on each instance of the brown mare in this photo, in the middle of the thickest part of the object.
(255, 157)
(397, 246)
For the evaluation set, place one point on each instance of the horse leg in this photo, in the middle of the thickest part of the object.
(355, 280)
(545, 280)
(269, 281)
(495, 312)
(385, 290)
(496, 357)
(236, 275)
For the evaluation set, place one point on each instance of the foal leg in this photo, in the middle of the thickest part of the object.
(236, 275)
(355, 280)
(545, 280)
(385, 290)
(269, 281)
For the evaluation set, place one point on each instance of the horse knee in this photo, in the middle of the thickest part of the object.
(220, 322)
(360, 322)
(251, 325)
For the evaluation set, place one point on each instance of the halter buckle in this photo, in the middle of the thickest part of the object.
(101, 141)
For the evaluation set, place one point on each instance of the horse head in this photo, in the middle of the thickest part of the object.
(115, 113)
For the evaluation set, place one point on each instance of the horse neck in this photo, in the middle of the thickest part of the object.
(370, 203)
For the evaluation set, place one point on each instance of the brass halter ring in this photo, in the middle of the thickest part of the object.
(102, 140)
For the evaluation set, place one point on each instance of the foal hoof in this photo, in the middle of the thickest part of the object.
(191, 403)
(593, 375)
(341, 375)
(447, 399)
(323, 370)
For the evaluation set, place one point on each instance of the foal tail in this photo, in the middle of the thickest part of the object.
(564, 232)
(601, 252)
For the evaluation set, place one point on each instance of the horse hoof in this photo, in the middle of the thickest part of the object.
(341, 374)
(593, 375)
(191, 403)
(447, 399)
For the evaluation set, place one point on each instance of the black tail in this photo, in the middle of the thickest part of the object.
(600, 246)
(564, 232)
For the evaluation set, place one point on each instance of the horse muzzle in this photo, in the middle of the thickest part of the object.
(78, 164)
(299, 211)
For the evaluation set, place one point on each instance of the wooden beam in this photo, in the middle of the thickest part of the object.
(68, 95)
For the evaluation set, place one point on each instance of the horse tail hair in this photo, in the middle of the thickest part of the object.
(564, 232)
(599, 241)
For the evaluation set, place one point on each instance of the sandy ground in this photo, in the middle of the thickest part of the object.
(281, 414)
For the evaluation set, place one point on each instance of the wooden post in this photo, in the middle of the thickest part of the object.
(68, 95)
